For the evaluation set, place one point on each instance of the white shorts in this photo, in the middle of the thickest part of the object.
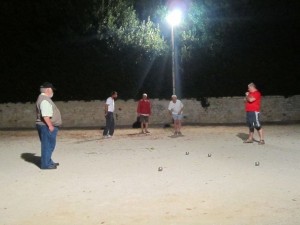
(177, 116)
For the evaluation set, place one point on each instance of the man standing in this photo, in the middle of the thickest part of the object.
(109, 115)
(175, 109)
(47, 122)
(144, 111)
(252, 106)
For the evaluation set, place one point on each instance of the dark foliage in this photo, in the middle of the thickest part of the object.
(57, 42)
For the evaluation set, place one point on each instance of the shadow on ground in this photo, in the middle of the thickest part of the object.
(242, 136)
(31, 158)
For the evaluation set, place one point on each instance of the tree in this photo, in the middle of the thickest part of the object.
(121, 29)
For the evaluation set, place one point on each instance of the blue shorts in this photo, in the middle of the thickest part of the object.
(253, 120)
(177, 117)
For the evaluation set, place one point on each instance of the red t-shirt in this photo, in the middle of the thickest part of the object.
(144, 107)
(255, 105)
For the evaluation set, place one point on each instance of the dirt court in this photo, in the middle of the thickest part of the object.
(116, 181)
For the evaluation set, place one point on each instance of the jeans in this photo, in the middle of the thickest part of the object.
(48, 142)
(110, 124)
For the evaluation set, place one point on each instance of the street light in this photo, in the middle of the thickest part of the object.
(173, 18)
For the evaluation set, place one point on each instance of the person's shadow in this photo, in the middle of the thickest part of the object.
(242, 136)
(32, 158)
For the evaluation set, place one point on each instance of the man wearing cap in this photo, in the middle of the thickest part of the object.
(48, 120)
(144, 111)
(175, 109)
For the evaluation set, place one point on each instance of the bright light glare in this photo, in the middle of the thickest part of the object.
(174, 17)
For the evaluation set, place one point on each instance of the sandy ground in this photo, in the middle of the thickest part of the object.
(116, 181)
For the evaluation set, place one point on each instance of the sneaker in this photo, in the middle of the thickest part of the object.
(106, 136)
(261, 142)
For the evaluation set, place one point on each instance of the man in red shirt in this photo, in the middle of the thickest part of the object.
(144, 111)
(252, 107)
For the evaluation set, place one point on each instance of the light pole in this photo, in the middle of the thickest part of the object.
(173, 18)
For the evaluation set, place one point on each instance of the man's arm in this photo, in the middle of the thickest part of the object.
(47, 120)
(180, 112)
(170, 109)
(47, 113)
(105, 109)
(150, 108)
(249, 97)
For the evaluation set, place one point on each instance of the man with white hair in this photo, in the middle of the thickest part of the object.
(47, 122)
(144, 111)
(175, 109)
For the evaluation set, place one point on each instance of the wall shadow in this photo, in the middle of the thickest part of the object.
(32, 158)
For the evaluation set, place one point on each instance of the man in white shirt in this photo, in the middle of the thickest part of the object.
(175, 109)
(109, 115)
(47, 122)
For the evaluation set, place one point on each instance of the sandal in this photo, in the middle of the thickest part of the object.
(248, 141)
(261, 142)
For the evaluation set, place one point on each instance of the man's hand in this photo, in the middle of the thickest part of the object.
(51, 128)
(49, 123)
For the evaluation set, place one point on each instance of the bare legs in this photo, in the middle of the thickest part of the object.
(251, 138)
(144, 126)
(177, 126)
(260, 134)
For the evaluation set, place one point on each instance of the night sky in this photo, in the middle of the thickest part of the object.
(44, 42)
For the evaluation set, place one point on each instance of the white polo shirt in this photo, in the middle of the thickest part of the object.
(176, 107)
(111, 104)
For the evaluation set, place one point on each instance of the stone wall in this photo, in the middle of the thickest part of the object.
(226, 110)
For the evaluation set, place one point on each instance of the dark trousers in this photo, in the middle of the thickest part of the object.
(110, 124)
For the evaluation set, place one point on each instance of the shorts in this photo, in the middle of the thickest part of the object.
(144, 119)
(177, 116)
(253, 119)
